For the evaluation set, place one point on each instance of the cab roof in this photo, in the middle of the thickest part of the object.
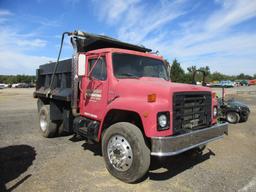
(124, 51)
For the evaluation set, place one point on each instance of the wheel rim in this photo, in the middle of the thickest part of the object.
(119, 153)
(231, 117)
(43, 122)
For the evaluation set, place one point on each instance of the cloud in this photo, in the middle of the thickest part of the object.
(141, 21)
(5, 12)
(20, 63)
(232, 12)
(14, 47)
(19, 42)
(31, 43)
(13, 56)
(136, 20)
(111, 10)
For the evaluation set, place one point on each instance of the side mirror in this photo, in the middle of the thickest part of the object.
(81, 65)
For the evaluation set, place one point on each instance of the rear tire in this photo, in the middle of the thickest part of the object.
(126, 155)
(61, 131)
(233, 117)
(47, 127)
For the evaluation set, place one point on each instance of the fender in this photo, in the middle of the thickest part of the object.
(147, 112)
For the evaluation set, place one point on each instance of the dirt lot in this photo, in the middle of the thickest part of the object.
(29, 162)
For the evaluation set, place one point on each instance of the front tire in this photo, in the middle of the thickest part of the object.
(233, 117)
(48, 128)
(126, 155)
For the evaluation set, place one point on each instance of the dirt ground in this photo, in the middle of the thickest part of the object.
(29, 162)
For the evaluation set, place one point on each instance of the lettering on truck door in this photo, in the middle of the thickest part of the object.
(95, 88)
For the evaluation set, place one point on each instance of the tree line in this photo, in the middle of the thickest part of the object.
(177, 74)
(12, 79)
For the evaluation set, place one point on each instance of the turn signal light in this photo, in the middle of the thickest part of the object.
(152, 98)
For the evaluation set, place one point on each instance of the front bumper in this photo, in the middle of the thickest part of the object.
(173, 145)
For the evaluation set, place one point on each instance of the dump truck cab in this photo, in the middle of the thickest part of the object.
(121, 95)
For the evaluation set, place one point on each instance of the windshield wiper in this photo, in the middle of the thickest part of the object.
(129, 75)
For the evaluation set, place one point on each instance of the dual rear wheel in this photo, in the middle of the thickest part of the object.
(49, 128)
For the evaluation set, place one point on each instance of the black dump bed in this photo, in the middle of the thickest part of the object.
(61, 86)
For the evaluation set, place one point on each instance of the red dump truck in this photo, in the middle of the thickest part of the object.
(120, 95)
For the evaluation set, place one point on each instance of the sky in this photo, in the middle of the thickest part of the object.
(217, 33)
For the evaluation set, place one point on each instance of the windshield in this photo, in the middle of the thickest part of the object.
(133, 66)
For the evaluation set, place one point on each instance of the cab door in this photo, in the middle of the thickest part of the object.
(94, 88)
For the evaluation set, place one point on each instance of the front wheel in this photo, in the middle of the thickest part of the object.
(233, 117)
(126, 155)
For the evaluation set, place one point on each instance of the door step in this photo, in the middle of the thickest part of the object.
(87, 128)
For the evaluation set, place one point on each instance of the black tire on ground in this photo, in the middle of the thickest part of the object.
(244, 119)
(233, 117)
(140, 151)
(61, 131)
(47, 127)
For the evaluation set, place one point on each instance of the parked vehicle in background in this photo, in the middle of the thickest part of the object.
(237, 83)
(31, 85)
(20, 85)
(15, 85)
(233, 111)
(226, 84)
(244, 83)
(213, 84)
(3, 85)
(252, 82)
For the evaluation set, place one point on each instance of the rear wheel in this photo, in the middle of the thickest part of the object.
(233, 117)
(48, 128)
(125, 152)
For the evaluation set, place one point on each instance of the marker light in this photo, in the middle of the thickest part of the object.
(152, 98)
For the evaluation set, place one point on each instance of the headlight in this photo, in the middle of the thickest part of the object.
(163, 119)
(215, 111)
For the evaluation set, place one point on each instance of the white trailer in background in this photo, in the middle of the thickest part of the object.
(2, 85)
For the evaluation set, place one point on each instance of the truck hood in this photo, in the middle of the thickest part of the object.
(148, 85)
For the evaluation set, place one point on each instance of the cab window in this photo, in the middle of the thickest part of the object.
(99, 71)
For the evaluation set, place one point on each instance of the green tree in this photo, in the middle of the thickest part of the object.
(11, 79)
(177, 73)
